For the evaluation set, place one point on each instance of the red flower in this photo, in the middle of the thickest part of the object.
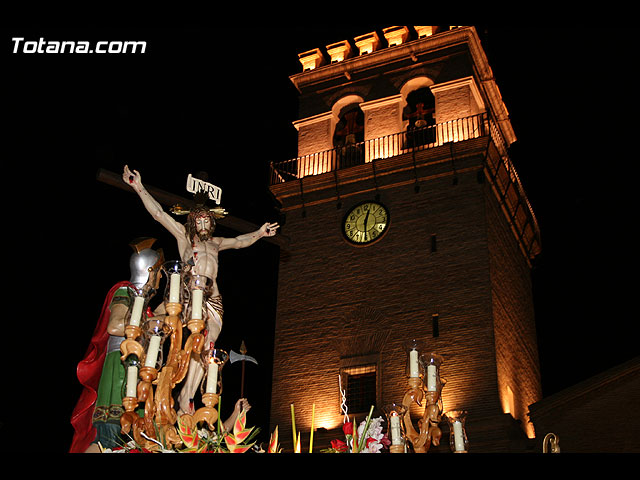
(370, 440)
(339, 445)
(347, 428)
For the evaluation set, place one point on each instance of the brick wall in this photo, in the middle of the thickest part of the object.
(335, 299)
(514, 320)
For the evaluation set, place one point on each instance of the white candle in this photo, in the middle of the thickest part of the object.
(396, 434)
(132, 381)
(458, 439)
(413, 364)
(152, 352)
(212, 378)
(174, 288)
(431, 378)
(196, 305)
(136, 312)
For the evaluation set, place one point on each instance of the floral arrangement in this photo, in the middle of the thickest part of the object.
(367, 438)
(203, 441)
(274, 446)
(238, 440)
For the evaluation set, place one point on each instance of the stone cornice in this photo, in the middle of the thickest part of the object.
(410, 50)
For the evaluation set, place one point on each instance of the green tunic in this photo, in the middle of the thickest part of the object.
(109, 409)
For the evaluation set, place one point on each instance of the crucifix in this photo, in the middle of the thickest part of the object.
(169, 199)
(199, 248)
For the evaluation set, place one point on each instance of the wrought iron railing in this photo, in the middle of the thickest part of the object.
(511, 194)
(499, 167)
(356, 153)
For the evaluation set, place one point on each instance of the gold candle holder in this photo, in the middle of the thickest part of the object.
(174, 297)
(429, 431)
(457, 434)
(196, 326)
(178, 359)
(132, 330)
(395, 414)
(165, 415)
(129, 417)
(130, 345)
(200, 287)
(208, 412)
(147, 376)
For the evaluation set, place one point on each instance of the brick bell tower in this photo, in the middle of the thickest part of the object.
(406, 221)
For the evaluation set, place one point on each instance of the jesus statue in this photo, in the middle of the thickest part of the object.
(198, 247)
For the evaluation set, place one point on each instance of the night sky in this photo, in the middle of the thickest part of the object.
(189, 104)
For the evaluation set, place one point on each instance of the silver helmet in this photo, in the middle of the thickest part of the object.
(145, 263)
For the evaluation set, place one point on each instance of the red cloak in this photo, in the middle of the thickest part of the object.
(89, 371)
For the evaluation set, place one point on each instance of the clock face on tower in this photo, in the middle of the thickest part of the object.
(365, 223)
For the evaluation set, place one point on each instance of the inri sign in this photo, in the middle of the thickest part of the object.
(195, 185)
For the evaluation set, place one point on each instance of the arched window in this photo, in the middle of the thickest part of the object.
(420, 115)
(348, 136)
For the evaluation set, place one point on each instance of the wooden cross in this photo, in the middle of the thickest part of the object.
(169, 199)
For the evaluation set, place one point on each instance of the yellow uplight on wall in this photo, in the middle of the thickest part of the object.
(367, 43)
(395, 35)
(311, 59)
(339, 51)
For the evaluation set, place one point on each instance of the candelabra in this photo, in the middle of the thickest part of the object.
(143, 357)
(420, 367)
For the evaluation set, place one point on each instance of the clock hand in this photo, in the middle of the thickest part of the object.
(366, 218)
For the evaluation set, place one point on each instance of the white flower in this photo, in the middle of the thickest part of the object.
(374, 431)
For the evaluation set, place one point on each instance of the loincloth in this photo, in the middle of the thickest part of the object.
(214, 309)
